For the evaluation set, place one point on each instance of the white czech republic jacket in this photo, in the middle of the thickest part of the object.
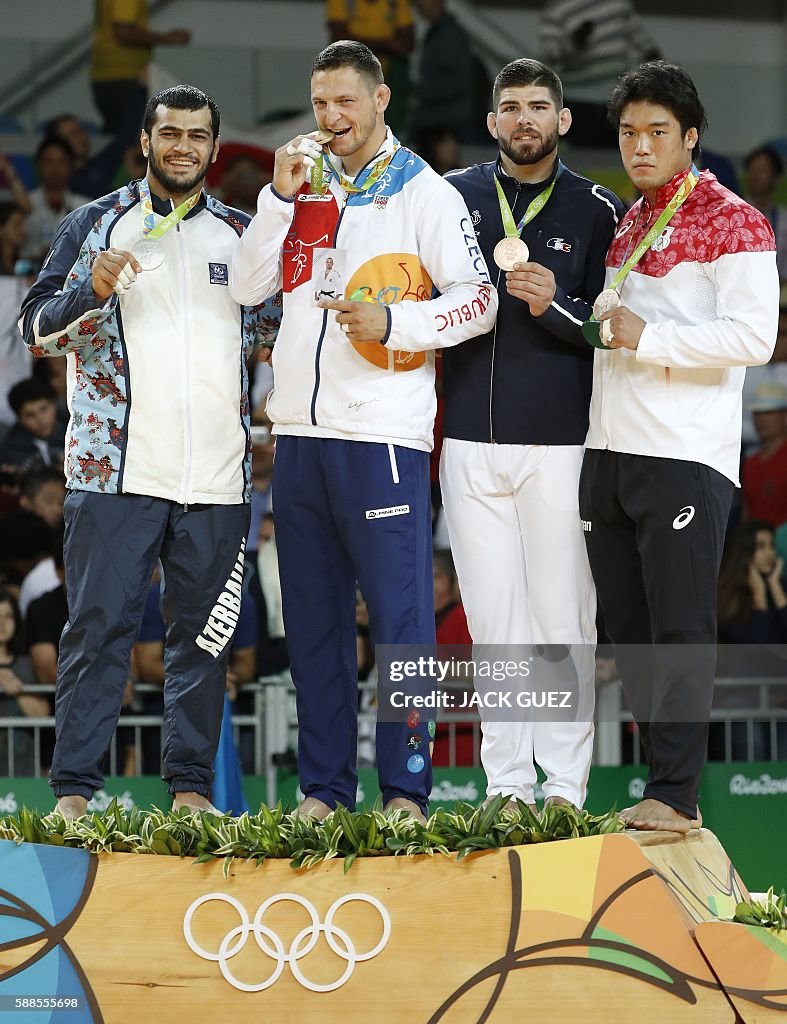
(407, 243)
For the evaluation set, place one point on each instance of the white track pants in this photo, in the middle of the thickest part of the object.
(516, 538)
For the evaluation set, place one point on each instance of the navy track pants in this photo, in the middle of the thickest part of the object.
(112, 543)
(347, 511)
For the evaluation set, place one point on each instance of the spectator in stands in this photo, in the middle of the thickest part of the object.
(43, 491)
(73, 132)
(13, 236)
(450, 618)
(53, 373)
(134, 165)
(439, 146)
(752, 601)
(32, 440)
(763, 169)
(752, 611)
(243, 180)
(26, 546)
(16, 673)
(772, 373)
(765, 472)
(451, 628)
(53, 199)
(444, 80)
(590, 43)
(122, 47)
(265, 590)
(45, 620)
(262, 452)
(15, 359)
(387, 28)
(92, 175)
(13, 183)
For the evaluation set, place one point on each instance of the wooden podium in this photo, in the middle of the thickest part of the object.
(593, 929)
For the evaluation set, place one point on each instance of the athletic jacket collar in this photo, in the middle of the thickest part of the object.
(389, 145)
(512, 186)
(162, 207)
(502, 173)
(666, 192)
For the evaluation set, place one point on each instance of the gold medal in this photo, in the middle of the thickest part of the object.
(510, 251)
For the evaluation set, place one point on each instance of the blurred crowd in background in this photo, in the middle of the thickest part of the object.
(441, 95)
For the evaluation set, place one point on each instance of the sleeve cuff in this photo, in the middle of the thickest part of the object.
(387, 335)
(644, 351)
(283, 199)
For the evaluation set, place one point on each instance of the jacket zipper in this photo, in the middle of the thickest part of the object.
(494, 334)
(187, 382)
(609, 369)
(320, 340)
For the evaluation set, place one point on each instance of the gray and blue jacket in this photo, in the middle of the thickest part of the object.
(157, 384)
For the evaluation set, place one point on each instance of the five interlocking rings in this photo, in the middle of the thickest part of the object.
(235, 939)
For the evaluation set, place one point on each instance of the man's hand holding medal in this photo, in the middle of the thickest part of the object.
(533, 284)
(620, 328)
(114, 270)
(294, 161)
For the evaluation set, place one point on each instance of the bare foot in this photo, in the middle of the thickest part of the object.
(71, 807)
(313, 808)
(194, 802)
(400, 803)
(655, 816)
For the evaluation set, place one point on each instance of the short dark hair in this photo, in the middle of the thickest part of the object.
(526, 71)
(30, 390)
(666, 85)
(50, 141)
(348, 53)
(181, 97)
(770, 154)
(31, 482)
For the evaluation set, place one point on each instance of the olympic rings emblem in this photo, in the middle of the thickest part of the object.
(303, 943)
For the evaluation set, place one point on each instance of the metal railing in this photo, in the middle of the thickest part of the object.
(748, 724)
(258, 733)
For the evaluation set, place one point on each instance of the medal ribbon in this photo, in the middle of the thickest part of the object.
(375, 174)
(590, 328)
(512, 229)
(149, 229)
(679, 198)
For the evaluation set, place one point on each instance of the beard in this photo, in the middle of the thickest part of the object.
(178, 186)
(529, 152)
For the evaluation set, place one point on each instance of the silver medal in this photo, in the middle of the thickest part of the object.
(607, 300)
(510, 251)
(149, 254)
